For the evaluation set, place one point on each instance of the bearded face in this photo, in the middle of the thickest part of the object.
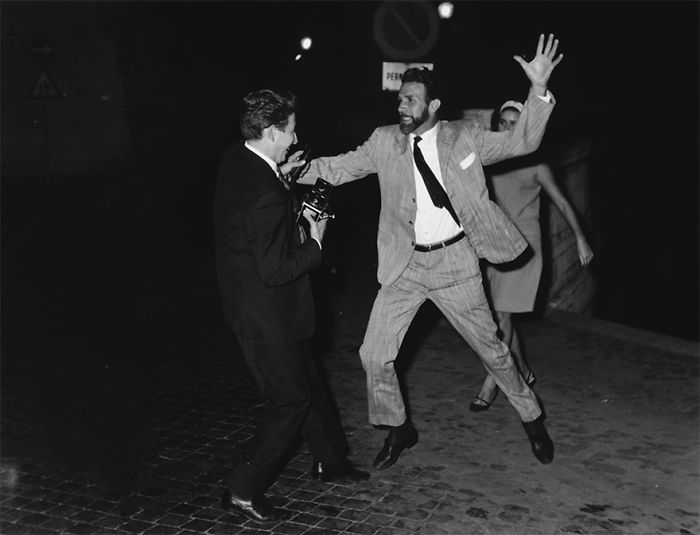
(414, 110)
(408, 123)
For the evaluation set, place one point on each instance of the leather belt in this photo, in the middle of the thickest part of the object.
(439, 245)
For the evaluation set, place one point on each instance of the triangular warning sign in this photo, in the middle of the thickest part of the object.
(44, 87)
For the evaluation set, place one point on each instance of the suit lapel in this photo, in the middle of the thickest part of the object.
(404, 162)
(262, 167)
(445, 143)
(263, 171)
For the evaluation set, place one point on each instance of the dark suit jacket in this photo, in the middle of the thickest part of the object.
(261, 263)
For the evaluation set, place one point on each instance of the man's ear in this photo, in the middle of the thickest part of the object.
(270, 133)
(434, 105)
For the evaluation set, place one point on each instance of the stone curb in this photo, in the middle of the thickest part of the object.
(616, 330)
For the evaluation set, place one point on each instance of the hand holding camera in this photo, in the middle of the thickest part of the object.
(317, 227)
(315, 209)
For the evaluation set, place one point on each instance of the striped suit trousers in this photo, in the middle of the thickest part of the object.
(450, 277)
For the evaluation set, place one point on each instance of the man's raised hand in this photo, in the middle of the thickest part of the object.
(540, 68)
(292, 162)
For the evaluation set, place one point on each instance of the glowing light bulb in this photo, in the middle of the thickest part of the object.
(445, 10)
(306, 43)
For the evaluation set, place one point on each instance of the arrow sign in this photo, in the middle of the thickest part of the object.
(44, 87)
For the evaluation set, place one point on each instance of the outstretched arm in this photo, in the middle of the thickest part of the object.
(497, 146)
(546, 180)
(345, 167)
(540, 68)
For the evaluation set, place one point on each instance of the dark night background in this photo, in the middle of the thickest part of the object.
(109, 296)
(628, 82)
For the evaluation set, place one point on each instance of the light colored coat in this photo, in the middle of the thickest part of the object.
(463, 149)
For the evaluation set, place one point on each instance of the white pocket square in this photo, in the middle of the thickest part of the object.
(467, 161)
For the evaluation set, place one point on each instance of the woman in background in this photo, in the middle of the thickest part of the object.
(513, 286)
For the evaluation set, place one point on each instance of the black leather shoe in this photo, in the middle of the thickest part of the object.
(398, 439)
(343, 471)
(541, 444)
(258, 509)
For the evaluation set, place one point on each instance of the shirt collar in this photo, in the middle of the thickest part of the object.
(267, 159)
(427, 136)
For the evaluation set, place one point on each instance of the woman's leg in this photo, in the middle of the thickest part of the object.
(509, 334)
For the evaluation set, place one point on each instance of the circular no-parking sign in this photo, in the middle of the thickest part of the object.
(406, 29)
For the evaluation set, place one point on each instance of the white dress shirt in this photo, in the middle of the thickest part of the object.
(432, 224)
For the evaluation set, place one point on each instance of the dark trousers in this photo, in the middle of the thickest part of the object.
(297, 401)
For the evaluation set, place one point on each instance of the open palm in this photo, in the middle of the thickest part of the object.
(540, 68)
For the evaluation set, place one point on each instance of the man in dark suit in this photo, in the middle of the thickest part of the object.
(263, 260)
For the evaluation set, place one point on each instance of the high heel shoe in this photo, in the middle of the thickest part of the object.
(479, 404)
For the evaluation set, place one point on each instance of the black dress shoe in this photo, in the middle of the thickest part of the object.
(541, 444)
(398, 439)
(342, 471)
(258, 509)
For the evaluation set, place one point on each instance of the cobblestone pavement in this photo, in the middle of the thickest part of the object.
(115, 442)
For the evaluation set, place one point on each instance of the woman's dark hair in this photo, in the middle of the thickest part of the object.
(265, 107)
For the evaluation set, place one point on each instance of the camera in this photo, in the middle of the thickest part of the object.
(318, 201)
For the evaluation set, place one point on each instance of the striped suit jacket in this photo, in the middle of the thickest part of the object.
(463, 149)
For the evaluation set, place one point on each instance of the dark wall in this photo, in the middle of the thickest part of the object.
(628, 82)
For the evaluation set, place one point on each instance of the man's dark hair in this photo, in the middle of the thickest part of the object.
(434, 86)
(264, 107)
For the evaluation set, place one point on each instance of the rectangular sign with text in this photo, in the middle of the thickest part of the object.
(392, 71)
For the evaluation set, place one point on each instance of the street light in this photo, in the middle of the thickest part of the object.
(445, 10)
(305, 43)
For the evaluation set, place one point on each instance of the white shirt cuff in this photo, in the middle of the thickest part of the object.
(547, 98)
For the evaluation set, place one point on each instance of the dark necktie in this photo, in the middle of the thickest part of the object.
(436, 191)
